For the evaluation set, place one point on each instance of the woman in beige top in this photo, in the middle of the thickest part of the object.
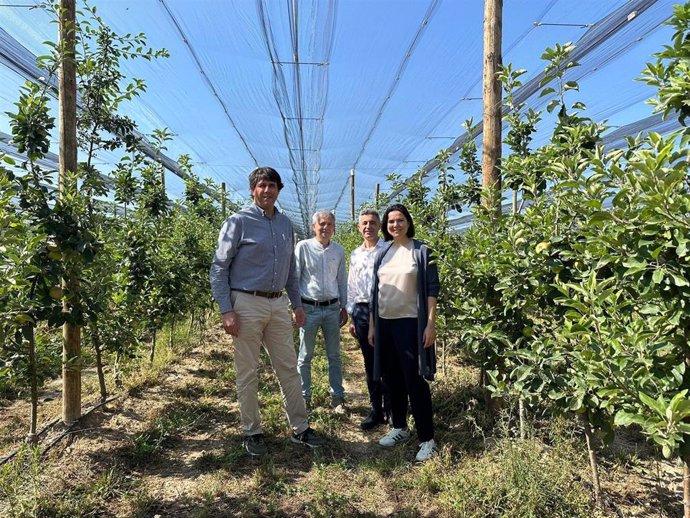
(403, 328)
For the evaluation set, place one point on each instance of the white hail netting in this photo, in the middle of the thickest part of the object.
(317, 88)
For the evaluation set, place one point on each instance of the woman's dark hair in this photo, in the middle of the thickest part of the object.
(384, 222)
(264, 173)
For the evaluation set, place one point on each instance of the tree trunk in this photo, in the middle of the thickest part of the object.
(153, 348)
(171, 337)
(594, 465)
(444, 352)
(523, 418)
(95, 336)
(117, 373)
(191, 325)
(28, 332)
(686, 486)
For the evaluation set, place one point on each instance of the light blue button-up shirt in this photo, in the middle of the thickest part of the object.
(255, 253)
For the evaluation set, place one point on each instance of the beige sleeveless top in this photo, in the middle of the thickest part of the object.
(398, 283)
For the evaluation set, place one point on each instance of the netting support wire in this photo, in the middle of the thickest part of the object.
(545, 24)
(297, 62)
(207, 79)
(591, 40)
(342, 192)
(401, 70)
(19, 59)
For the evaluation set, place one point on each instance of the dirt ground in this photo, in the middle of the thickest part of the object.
(200, 469)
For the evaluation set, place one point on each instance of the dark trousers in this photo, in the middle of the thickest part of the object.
(400, 369)
(378, 395)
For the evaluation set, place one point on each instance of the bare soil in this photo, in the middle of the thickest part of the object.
(201, 468)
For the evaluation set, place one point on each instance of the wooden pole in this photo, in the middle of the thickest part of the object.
(491, 148)
(223, 202)
(376, 196)
(352, 194)
(67, 77)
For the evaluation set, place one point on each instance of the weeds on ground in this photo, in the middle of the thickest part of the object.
(93, 498)
(20, 484)
(178, 418)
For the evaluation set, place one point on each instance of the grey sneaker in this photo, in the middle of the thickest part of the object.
(255, 445)
(338, 405)
(427, 450)
(308, 437)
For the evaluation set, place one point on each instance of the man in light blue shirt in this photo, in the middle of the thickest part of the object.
(252, 266)
(322, 284)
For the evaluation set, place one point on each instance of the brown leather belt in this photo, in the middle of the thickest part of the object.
(265, 294)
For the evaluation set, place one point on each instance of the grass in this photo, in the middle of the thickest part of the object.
(186, 456)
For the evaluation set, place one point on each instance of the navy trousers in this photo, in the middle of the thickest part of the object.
(378, 395)
(400, 369)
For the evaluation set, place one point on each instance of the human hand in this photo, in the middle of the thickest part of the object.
(343, 317)
(299, 316)
(231, 323)
(353, 332)
(429, 336)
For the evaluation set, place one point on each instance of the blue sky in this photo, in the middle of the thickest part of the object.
(381, 86)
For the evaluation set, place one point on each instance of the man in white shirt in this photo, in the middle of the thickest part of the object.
(359, 285)
(323, 290)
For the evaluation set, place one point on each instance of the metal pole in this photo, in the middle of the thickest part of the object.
(352, 194)
(376, 196)
(67, 79)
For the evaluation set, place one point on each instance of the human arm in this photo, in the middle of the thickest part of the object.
(219, 273)
(370, 336)
(292, 285)
(429, 336)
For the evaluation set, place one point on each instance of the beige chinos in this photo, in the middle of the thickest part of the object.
(266, 322)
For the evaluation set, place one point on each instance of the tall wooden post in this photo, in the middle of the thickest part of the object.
(491, 148)
(71, 351)
(223, 201)
(376, 196)
(352, 194)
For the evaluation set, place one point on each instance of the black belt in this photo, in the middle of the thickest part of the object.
(265, 294)
(362, 304)
(318, 303)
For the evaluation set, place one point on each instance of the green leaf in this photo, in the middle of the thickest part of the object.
(657, 405)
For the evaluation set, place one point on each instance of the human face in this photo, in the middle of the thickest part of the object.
(397, 226)
(265, 194)
(369, 226)
(324, 229)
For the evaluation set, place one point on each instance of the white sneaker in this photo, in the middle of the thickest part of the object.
(427, 450)
(395, 436)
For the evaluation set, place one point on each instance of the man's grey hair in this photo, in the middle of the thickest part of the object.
(370, 212)
(322, 214)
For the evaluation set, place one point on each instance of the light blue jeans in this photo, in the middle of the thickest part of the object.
(328, 319)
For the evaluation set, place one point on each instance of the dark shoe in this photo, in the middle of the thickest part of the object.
(255, 445)
(373, 420)
(308, 437)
